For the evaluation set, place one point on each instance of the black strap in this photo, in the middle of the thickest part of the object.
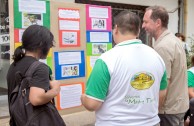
(32, 68)
(30, 71)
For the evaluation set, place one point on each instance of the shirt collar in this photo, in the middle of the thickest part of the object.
(166, 32)
(128, 42)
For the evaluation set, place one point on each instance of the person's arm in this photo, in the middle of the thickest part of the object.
(42, 90)
(97, 87)
(90, 104)
(38, 96)
(163, 89)
(191, 92)
(162, 96)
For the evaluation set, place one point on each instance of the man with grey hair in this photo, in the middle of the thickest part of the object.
(124, 88)
(169, 47)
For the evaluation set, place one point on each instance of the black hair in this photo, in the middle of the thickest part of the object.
(34, 38)
(127, 21)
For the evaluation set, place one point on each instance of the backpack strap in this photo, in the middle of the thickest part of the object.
(32, 68)
(28, 76)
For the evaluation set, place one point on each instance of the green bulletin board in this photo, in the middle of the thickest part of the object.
(18, 15)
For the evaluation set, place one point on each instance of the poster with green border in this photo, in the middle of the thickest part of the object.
(96, 49)
(19, 16)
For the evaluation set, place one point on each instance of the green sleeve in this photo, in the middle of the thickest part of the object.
(164, 82)
(190, 79)
(98, 82)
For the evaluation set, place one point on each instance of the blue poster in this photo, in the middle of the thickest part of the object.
(69, 64)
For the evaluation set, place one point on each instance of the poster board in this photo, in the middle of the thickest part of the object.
(68, 59)
(98, 33)
(65, 49)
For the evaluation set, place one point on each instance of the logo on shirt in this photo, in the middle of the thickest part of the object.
(142, 80)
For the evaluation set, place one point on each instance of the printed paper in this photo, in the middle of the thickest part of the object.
(98, 12)
(99, 36)
(65, 13)
(32, 6)
(70, 96)
(69, 57)
(68, 25)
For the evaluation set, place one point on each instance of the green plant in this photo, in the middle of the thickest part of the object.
(191, 53)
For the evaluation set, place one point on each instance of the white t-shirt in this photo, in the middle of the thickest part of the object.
(127, 79)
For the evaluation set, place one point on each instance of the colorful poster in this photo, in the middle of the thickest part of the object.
(98, 18)
(69, 95)
(27, 13)
(69, 27)
(69, 64)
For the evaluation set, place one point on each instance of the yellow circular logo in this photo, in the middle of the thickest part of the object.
(142, 80)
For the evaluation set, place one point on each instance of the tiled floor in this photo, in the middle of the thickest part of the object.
(4, 111)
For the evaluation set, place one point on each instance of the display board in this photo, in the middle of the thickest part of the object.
(98, 33)
(77, 45)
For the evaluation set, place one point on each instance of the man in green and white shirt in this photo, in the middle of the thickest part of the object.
(128, 81)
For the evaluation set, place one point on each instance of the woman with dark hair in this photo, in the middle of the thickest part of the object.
(36, 43)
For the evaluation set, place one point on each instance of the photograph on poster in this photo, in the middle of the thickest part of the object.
(31, 19)
(69, 38)
(99, 48)
(70, 70)
(98, 24)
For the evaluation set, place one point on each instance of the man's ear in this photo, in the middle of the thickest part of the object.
(116, 29)
(158, 22)
(138, 33)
